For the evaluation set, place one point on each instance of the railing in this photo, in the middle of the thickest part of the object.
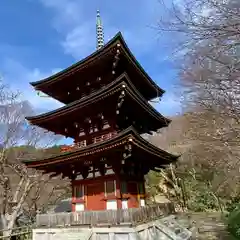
(83, 143)
(104, 137)
(131, 216)
(74, 146)
(80, 144)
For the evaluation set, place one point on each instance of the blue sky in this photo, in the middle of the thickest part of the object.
(41, 37)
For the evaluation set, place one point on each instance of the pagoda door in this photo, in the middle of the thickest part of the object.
(95, 196)
(132, 190)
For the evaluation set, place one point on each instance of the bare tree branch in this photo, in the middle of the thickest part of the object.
(208, 59)
(21, 188)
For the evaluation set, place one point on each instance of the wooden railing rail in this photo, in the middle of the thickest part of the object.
(104, 137)
(83, 143)
(131, 216)
(74, 147)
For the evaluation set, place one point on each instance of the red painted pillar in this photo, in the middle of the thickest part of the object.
(73, 196)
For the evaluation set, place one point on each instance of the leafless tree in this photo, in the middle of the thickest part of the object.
(208, 58)
(22, 190)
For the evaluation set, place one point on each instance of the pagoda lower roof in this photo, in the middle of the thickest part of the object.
(121, 83)
(43, 85)
(154, 155)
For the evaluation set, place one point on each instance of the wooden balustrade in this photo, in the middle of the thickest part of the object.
(104, 137)
(131, 216)
(83, 143)
(74, 147)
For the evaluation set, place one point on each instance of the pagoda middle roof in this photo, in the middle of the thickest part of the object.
(121, 83)
(118, 38)
(125, 136)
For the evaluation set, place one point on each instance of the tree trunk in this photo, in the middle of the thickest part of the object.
(9, 221)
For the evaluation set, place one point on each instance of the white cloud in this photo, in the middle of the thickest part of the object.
(78, 34)
(18, 77)
(79, 42)
(168, 105)
(66, 12)
(71, 19)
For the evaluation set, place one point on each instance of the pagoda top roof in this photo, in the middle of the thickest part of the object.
(118, 38)
(122, 82)
(126, 136)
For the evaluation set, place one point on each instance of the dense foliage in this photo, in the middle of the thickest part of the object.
(189, 192)
(234, 222)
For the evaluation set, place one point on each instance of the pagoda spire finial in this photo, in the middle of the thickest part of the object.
(99, 30)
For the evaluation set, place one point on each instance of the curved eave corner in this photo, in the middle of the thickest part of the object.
(117, 37)
(167, 121)
(52, 77)
(175, 157)
(30, 120)
(160, 90)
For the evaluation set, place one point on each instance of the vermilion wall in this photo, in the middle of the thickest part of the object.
(95, 198)
(133, 201)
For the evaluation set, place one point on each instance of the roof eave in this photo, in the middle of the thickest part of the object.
(35, 119)
(118, 36)
(125, 133)
(37, 84)
(160, 90)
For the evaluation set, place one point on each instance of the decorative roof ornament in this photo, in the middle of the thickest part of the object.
(40, 94)
(99, 31)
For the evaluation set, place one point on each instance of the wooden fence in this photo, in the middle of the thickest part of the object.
(131, 216)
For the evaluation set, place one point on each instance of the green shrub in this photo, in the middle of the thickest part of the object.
(232, 203)
(234, 222)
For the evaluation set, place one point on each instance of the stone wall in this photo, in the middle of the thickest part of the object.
(204, 225)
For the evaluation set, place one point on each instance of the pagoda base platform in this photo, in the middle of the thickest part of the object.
(164, 228)
(155, 221)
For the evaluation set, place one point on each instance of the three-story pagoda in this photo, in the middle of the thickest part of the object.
(106, 110)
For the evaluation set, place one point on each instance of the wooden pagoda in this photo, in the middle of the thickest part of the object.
(106, 110)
